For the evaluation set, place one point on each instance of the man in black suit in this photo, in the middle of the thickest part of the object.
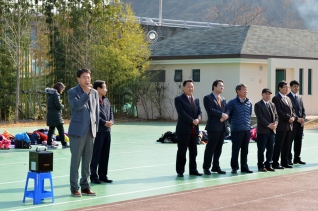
(298, 124)
(215, 106)
(267, 120)
(187, 130)
(286, 116)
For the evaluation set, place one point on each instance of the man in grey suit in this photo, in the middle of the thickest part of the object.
(298, 124)
(267, 121)
(84, 105)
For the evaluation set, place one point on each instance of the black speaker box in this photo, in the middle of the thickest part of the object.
(40, 161)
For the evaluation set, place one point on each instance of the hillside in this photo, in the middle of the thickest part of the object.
(282, 13)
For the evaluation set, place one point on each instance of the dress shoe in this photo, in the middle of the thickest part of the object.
(196, 174)
(246, 171)
(76, 193)
(219, 171)
(207, 171)
(234, 171)
(180, 175)
(88, 192)
(287, 166)
(96, 181)
(262, 169)
(269, 169)
(290, 164)
(278, 167)
(106, 180)
(299, 162)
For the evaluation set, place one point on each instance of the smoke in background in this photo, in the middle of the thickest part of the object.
(308, 10)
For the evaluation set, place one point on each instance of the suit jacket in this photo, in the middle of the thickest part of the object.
(84, 111)
(186, 114)
(298, 106)
(284, 111)
(264, 118)
(105, 114)
(214, 112)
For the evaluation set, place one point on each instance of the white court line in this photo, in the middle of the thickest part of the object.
(158, 188)
(5, 164)
(137, 152)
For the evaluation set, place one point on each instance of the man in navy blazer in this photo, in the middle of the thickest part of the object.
(216, 108)
(84, 105)
(298, 124)
(286, 117)
(99, 164)
(267, 121)
(187, 130)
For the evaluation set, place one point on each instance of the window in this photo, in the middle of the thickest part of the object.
(301, 81)
(196, 75)
(309, 81)
(156, 75)
(178, 75)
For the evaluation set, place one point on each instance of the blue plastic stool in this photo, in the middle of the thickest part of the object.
(38, 193)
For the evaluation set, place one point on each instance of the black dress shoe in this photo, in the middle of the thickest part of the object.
(246, 171)
(106, 180)
(278, 167)
(262, 170)
(269, 169)
(287, 166)
(180, 175)
(96, 181)
(290, 164)
(207, 171)
(234, 171)
(219, 171)
(196, 174)
(299, 162)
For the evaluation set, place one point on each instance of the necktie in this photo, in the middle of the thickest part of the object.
(219, 101)
(269, 109)
(191, 101)
(286, 100)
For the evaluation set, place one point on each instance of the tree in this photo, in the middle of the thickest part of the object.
(17, 17)
(237, 12)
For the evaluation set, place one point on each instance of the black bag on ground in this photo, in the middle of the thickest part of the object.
(168, 137)
(20, 144)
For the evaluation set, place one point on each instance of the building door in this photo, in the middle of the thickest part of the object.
(280, 75)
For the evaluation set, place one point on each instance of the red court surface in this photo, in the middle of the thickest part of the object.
(297, 191)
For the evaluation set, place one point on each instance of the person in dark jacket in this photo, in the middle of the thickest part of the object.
(54, 117)
(240, 111)
(100, 158)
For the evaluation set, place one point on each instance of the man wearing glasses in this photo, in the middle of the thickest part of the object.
(286, 117)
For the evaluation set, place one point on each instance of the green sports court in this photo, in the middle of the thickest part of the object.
(139, 166)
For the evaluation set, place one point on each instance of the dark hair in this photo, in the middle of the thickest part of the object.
(187, 81)
(98, 83)
(294, 82)
(59, 86)
(216, 82)
(281, 84)
(81, 71)
(238, 87)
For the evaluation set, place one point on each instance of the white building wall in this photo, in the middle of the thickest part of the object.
(256, 74)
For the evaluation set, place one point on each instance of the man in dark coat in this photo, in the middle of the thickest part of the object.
(216, 108)
(54, 117)
(187, 130)
(267, 121)
(286, 117)
(298, 124)
(102, 141)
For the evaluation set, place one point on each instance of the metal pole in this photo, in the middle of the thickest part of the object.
(160, 12)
